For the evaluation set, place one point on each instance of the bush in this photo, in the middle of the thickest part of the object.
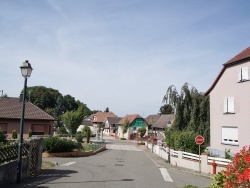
(14, 134)
(79, 137)
(2, 136)
(218, 180)
(30, 133)
(237, 173)
(123, 139)
(57, 144)
(183, 140)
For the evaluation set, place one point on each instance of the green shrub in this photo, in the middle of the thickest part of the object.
(88, 135)
(57, 144)
(218, 180)
(79, 137)
(14, 134)
(30, 133)
(123, 139)
(2, 136)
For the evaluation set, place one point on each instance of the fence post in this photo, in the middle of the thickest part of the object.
(204, 160)
(29, 157)
(40, 153)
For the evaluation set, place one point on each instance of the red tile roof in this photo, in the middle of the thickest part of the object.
(100, 116)
(130, 118)
(239, 57)
(10, 108)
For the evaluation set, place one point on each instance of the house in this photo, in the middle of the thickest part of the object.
(99, 117)
(229, 106)
(35, 119)
(151, 119)
(135, 122)
(160, 125)
(110, 125)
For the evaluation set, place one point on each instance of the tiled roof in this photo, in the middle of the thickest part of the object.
(151, 119)
(10, 108)
(163, 120)
(100, 116)
(241, 56)
(113, 120)
(130, 118)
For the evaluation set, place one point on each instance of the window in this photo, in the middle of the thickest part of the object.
(230, 135)
(229, 105)
(95, 118)
(243, 74)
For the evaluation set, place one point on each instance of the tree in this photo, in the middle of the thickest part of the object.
(125, 126)
(107, 109)
(58, 111)
(42, 97)
(72, 119)
(142, 131)
(191, 110)
(69, 103)
(166, 109)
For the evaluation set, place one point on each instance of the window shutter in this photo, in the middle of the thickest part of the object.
(245, 73)
(225, 105)
(239, 74)
(230, 104)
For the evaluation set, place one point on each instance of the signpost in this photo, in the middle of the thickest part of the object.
(199, 140)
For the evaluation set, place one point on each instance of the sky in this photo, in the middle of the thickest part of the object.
(120, 54)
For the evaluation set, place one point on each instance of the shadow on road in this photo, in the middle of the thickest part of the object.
(45, 177)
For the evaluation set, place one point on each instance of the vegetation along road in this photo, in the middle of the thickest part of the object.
(123, 164)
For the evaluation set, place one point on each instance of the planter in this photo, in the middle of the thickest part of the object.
(73, 153)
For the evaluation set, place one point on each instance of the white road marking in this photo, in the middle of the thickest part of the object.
(165, 175)
(67, 164)
(164, 171)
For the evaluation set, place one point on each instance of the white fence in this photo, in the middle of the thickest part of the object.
(189, 160)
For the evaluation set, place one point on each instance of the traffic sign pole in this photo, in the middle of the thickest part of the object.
(199, 140)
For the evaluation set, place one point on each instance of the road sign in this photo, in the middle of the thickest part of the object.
(199, 139)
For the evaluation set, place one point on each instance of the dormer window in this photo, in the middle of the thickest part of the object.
(229, 105)
(243, 74)
(95, 118)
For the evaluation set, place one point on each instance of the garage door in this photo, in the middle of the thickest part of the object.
(37, 129)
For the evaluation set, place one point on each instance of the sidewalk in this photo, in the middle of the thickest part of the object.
(163, 163)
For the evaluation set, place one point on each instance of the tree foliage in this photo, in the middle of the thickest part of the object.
(125, 126)
(53, 102)
(191, 110)
(72, 119)
(142, 131)
(166, 109)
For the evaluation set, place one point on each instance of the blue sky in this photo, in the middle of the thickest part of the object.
(121, 54)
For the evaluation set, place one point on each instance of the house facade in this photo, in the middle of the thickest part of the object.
(35, 119)
(229, 106)
(135, 122)
(99, 118)
(110, 127)
(152, 119)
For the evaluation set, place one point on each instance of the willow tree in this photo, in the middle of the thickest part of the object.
(191, 109)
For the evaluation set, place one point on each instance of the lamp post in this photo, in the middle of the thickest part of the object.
(26, 70)
(169, 127)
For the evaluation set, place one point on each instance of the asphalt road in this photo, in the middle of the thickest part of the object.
(123, 164)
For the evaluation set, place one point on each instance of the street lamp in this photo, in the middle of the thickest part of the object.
(169, 127)
(26, 70)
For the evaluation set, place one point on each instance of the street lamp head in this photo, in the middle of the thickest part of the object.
(169, 124)
(26, 69)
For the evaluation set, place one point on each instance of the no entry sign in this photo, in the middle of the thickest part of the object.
(199, 139)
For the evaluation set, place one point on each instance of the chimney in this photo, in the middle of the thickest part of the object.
(21, 97)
